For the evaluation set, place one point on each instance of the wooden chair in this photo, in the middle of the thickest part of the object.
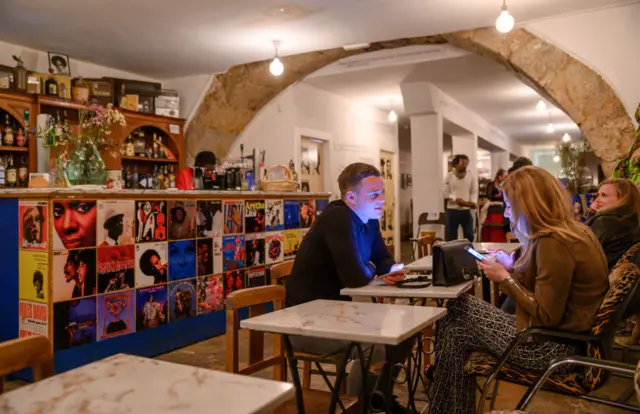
(315, 401)
(34, 352)
(279, 275)
(425, 244)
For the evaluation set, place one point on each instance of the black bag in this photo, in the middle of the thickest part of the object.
(452, 265)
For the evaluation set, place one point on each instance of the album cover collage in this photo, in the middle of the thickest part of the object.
(121, 266)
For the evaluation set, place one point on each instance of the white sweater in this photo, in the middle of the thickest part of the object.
(465, 188)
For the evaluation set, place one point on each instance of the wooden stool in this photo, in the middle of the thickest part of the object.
(34, 352)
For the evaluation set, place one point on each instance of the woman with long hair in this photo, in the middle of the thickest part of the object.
(616, 222)
(495, 191)
(558, 282)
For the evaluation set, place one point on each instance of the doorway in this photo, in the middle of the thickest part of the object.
(312, 164)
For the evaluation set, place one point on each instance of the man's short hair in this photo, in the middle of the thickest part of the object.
(456, 159)
(353, 174)
(519, 163)
(205, 158)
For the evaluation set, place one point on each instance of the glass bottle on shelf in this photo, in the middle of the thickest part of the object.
(3, 169)
(135, 183)
(160, 178)
(154, 177)
(26, 128)
(155, 146)
(20, 138)
(12, 173)
(125, 177)
(172, 177)
(129, 150)
(63, 91)
(1, 133)
(139, 144)
(8, 132)
(167, 179)
(51, 86)
(23, 173)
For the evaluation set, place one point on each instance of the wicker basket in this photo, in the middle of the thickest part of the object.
(279, 178)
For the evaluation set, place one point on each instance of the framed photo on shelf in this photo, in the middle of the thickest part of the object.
(59, 63)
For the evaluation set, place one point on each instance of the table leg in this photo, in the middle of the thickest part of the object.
(295, 376)
(365, 363)
(340, 374)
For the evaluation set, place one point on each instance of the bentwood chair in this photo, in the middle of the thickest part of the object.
(33, 352)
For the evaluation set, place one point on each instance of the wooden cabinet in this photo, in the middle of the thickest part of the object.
(170, 129)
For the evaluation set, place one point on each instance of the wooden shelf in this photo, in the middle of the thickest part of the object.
(7, 148)
(153, 160)
(60, 102)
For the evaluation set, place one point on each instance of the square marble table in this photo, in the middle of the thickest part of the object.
(425, 264)
(126, 384)
(359, 322)
(382, 290)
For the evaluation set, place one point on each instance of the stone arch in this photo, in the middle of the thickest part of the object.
(236, 96)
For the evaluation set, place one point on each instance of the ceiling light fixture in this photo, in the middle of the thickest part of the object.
(505, 22)
(276, 67)
(393, 117)
(566, 137)
(541, 106)
(550, 128)
(480, 165)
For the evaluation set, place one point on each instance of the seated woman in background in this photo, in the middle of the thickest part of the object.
(558, 282)
(616, 222)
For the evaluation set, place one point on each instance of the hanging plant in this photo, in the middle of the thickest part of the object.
(629, 164)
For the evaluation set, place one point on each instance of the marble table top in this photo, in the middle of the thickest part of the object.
(380, 289)
(126, 384)
(361, 322)
(426, 263)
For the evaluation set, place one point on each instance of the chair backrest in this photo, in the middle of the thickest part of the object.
(280, 272)
(255, 299)
(34, 352)
(425, 245)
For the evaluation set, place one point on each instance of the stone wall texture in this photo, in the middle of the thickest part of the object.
(236, 96)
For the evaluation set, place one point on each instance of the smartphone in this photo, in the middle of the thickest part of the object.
(477, 255)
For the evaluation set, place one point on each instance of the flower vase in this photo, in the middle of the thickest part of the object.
(86, 166)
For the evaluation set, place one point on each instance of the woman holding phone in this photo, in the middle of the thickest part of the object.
(558, 282)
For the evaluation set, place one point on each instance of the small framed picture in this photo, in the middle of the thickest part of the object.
(59, 63)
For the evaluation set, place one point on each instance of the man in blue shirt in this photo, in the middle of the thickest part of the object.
(344, 248)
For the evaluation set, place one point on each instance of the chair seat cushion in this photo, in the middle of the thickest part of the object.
(481, 363)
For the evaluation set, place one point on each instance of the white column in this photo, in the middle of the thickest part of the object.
(499, 159)
(426, 165)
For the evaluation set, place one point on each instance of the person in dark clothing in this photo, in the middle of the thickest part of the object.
(519, 163)
(616, 219)
(344, 248)
(495, 192)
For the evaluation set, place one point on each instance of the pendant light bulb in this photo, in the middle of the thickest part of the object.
(393, 117)
(505, 22)
(550, 128)
(566, 138)
(541, 106)
(556, 158)
(276, 67)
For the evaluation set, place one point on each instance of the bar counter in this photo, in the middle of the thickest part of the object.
(142, 272)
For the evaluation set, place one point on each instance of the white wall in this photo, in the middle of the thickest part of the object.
(606, 41)
(192, 90)
(38, 61)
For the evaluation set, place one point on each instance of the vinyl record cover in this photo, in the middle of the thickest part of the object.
(151, 221)
(182, 220)
(233, 281)
(210, 294)
(74, 223)
(33, 225)
(254, 216)
(256, 277)
(274, 215)
(320, 206)
(74, 323)
(74, 274)
(116, 268)
(291, 243)
(210, 218)
(116, 314)
(116, 222)
(233, 217)
(274, 247)
(33, 275)
(307, 213)
(151, 307)
(151, 264)
(233, 252)
(205, 257)
(255, 249)
(34, 319)
(182, 299)
(291, 214)
(218, 262)
(182, 259)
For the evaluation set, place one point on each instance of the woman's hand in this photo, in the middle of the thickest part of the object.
(507, 260)
(494, 271)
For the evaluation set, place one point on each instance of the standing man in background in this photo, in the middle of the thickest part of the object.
(461, 194)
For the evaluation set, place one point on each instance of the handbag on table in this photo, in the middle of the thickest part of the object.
(452, 265)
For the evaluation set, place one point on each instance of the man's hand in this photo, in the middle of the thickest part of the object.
(460, 202)
(392, 277)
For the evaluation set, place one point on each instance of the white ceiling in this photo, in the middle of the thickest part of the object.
(479, 84)
(169, 38)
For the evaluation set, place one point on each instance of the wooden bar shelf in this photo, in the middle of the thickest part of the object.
(6, 148)
(146, 159)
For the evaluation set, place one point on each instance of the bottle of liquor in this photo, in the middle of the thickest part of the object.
(51, 86)
(12, 173)
(167, 180)
(1, 133)
(23, 173)
(25, 133)
(160, 178)
(172, 177)
(3, 168)
(8, 132)
(129, 149)
(135, 178)
(125, 177)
